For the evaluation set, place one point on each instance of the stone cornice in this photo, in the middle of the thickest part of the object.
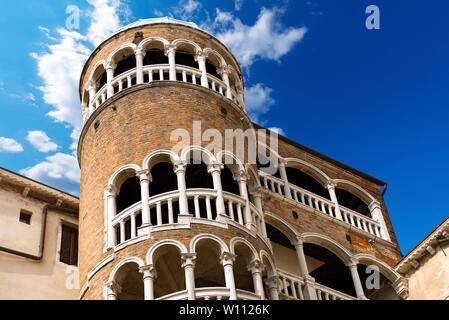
(424, 248)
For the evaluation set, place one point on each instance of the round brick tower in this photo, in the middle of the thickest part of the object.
(161, 215)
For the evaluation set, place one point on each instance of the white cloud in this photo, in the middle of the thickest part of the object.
(24, 97)
(60, 69)
(279, 131)
(186, 10)
(258, 100)
(10, 145)
(41, 141)
(105, 19)
(266, 39)
(238, 4)
(158, 13)
(60, 170)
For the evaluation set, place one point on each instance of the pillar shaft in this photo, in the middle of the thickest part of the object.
(189, 269)
(215, 170)
(356, 279)
(333, 196)
(227, 260)
(139, 66)
(180, 169)
(284, 177)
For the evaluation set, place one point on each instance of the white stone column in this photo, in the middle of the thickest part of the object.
(225, 75)
(180, 170)
(309, 288)
(227, 261)
(272, 284)
(110, 76)
(242, 177)
(145, 180)
(188, 264)
(257, 196)
(215, 170)
(113, 289)
(356, 279)
(376, 214)
(331, 188)
(92, 91)
(284, 178)
(139, 66)
(170, 51)
(256, 267)
(149, 275)
(110, 194)
(201, 58)
(85, 112)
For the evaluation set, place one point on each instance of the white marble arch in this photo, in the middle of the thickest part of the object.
(328, 243)
(194, 242)
(159, 156)
(122, 174)
(138, 261)
(237, 240)
(150, 256)
(271, 268)
(206, 156)
(385, 269)
(178, 42)
(354, 189)
(221, 60)
(309, 169)
(124, 47)
(146, 43)
(283, 226)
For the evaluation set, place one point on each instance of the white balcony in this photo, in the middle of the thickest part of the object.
(235, 212)
(323, 205)
(160, 72)
(211, 294)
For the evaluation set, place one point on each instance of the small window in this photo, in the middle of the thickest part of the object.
(25, 217)
(69, 246)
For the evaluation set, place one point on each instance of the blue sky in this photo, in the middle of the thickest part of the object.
(376, 100)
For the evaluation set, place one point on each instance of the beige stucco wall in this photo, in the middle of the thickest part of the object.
(431, 280)
(22, 278)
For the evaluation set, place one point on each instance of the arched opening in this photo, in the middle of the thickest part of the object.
(268, 273)
(170, 274)
(284, 252)
(154, 55)
(328, 269)
(265, 164)
(243, 277)
(164, 179)
(306, 182)
(125, 60)
(213, 65)
(129, 194)
(185, 55)
(208, 270)
(375, 285)
(351, 201)
(131, 282)
(228, 182)
(198, 177)
(99, 77)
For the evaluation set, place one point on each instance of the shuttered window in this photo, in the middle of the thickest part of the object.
(69, 246)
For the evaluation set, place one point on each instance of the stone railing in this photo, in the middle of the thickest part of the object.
(321, 204)
(291, 287)
(163, 208)
(218, 293)
(325, 293)
(160, 72)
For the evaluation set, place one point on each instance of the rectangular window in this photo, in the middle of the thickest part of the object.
(25, 217)
(69, 246)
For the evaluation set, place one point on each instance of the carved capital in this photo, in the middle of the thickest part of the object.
(227, 258)
(110, 191)
(170, 49)
(114, 288)
(241, 176)
(331, 185)
(144, 175)
(149, 272)
(256, 266)
(179, 166)
(374, 205)
(214, 167)
(188, 260)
